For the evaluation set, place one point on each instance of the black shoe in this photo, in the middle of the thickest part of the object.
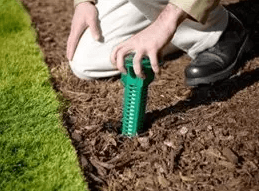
(223, 59)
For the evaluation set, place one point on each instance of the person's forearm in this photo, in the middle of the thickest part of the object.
(197, 9)
(76, 2)
(170, 18)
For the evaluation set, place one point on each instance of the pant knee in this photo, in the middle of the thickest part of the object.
(83, 72)
(79, 71)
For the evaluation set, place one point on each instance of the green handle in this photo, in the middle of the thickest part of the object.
(135, 96)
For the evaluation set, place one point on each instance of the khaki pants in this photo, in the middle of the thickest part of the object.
(120, 19)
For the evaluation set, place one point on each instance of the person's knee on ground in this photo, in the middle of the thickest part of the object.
(118, 21)
(191, 37)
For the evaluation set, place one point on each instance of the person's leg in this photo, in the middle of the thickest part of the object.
(191, 36)
(119, 19)
(216, 47)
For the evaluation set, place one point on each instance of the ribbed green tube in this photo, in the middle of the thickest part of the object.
(135, 96)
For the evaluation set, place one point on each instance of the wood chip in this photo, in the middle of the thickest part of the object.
(144, 142)
(185, 178)
(76, 136)
(214, 152)
(163, 181)
(230, 155)
(183, 130)
(227, 164)
(84, 161)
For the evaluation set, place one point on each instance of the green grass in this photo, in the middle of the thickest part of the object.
(35, 151)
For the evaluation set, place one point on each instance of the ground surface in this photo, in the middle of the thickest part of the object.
(195, 139)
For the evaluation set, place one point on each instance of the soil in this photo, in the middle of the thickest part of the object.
(204, 138)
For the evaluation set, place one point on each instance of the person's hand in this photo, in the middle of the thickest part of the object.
(150, 41)
(85, 16)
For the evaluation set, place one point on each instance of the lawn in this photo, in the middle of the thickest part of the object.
(36, 152)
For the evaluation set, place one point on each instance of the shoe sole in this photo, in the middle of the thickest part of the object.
(229, 71)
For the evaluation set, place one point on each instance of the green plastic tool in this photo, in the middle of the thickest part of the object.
(135, 96)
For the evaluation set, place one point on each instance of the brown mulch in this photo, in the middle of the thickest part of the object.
(194, 139)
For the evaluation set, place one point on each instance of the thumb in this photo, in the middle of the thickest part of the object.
(75, 34)
(95, 29)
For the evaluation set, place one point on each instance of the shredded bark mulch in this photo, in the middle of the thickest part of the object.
(194, 139)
